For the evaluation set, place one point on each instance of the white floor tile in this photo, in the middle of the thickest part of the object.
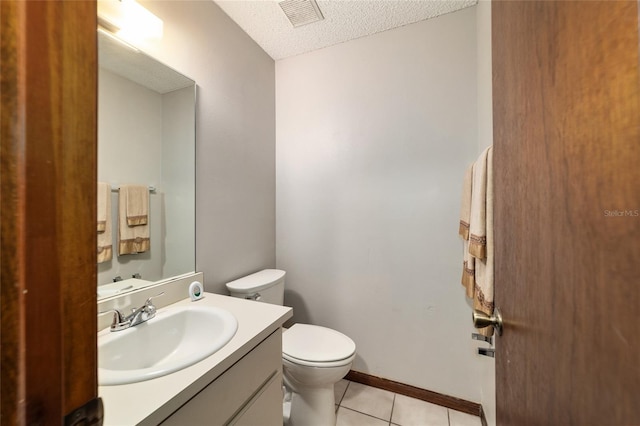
(414, 412)
(457, 418)
(368, 400)
(347, 417)
(339, 389)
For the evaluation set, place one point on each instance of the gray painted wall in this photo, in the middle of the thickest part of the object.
(235, 177)
(373, 138)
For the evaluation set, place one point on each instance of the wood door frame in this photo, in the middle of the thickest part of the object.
(48, 213)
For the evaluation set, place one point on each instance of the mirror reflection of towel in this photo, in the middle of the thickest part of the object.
(133, 219)
(105, 247)
(137, 204)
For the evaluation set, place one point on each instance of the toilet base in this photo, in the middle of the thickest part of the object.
(310, 407)
(311, 389)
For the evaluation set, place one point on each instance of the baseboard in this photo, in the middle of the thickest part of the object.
(483, 418)
(418, 393)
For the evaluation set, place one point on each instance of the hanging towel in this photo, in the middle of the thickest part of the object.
(484, 278)
(478, 219)
(468, 279)
(468, 271)
(104, 195)
(133, 238)
(137, 204)
(105, 247)
(465, 204)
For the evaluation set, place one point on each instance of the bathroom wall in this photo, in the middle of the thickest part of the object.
(235, 165)
(485, 138)
(373, 137)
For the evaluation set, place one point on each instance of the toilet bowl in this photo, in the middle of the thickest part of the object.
(314, 358)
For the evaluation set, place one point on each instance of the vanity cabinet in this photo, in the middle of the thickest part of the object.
(248, 393)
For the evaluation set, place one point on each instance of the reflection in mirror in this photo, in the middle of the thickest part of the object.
(146, 136)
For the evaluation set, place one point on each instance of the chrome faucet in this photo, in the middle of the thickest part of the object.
(137, 316)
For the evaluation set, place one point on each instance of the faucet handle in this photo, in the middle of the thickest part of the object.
(148, 302)
(149, 308)
(117, 315)
(119, 320)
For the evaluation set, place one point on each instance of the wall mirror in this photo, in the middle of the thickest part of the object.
(146, 136)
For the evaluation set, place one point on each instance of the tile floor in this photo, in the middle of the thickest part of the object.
(361, 405)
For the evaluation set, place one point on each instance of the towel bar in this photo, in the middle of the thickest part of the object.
(152, 189)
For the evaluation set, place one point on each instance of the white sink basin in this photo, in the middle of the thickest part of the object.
(175, 339)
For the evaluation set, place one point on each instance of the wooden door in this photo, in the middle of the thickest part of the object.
(48, 212)
(566, 93)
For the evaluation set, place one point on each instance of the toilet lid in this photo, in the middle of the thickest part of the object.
(316, 344)
(256, 282)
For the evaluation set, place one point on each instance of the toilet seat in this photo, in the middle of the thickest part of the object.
(316, 346)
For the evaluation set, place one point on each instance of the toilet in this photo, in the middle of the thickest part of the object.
(314, 358)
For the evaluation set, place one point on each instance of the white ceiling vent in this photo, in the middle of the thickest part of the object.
(301, 12)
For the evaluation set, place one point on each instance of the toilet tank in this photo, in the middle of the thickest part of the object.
(264, 286)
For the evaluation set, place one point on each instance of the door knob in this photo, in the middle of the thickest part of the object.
(482, 320)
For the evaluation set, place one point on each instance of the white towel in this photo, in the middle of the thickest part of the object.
(484, 278)
(133, 238)
(105, 245)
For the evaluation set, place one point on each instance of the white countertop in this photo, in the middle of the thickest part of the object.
(150, 402)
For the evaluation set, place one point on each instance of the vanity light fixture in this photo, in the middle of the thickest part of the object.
(102, 30)
(129, 20)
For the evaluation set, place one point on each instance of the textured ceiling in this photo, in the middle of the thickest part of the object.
(345, 20)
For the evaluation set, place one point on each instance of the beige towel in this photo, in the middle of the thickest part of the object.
(105, 246)
(465, 204)
(468, 271)
(104, 196)
(478, 221)
(137, 204)
(134, 238)
(484, 278)
(468, 278)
